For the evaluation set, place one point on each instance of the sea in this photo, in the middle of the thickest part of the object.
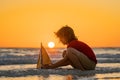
(20, 64)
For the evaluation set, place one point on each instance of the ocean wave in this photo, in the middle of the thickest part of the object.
(32, 59)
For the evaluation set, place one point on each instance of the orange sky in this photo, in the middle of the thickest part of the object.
(26, 23)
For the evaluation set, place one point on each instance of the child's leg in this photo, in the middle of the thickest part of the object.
(79, 60)
(74, 61)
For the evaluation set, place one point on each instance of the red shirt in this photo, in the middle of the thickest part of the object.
(84, 48)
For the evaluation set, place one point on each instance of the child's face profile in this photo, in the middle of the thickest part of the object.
(62, 39)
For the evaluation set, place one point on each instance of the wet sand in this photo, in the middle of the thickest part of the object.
(63, 73)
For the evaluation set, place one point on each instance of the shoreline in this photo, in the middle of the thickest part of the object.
(57, 71)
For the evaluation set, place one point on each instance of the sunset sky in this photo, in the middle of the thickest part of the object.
(26, 23)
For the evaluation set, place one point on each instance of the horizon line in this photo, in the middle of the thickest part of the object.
(59, 47)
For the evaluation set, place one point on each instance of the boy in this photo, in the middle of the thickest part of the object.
(78, 54)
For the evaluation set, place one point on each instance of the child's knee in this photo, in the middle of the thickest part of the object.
(64, 53)
(69, 51)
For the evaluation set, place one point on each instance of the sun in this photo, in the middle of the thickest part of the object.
(51, 44)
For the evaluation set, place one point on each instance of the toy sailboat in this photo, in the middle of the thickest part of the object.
(43, 58)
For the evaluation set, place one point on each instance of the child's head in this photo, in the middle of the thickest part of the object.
(66, 34)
